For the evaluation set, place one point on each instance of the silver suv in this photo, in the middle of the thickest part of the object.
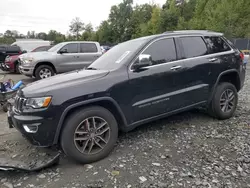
(63, 57)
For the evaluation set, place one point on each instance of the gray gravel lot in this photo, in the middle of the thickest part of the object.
(187, 150)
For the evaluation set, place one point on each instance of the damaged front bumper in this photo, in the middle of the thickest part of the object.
(35, 165)
(39, 131)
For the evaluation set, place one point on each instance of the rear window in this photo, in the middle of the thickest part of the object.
(194, 46)
(217, 45)
(13, 49)
(88, 48)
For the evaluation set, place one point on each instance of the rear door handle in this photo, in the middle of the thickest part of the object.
(176, 67)
(213, 59)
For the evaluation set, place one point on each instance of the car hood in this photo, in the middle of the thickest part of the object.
(66, 80)
(36, 55)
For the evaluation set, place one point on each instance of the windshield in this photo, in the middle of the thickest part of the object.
(116, 56)
(56, 47)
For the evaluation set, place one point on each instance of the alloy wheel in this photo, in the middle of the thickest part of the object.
(45, 73)
(227, 100)
(92, 135)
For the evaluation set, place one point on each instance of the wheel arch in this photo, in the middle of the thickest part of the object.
(106, 102)
(232, 76)
(15, 64)
(44, 63)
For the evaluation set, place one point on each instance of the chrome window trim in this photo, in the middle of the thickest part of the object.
(180, 60)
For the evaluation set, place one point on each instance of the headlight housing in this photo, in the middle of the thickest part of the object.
(8, 58)
(28, 60)
(41, 102)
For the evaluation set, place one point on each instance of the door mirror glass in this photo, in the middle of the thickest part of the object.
(63, 51)
(144, 60)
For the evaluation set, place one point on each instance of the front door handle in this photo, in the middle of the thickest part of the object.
(213, 59)
(76, 56)
(176, 67)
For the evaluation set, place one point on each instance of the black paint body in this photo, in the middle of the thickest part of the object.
(137, 97)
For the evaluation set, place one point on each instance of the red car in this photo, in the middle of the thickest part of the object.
(11, 62)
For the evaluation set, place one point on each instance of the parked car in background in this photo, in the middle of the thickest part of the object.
(135, 82)
(105, 48)
(11, 62)
(28, 45)
(7, 50)
(246, 56)
(63, 57)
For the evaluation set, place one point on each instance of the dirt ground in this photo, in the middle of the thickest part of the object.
(187, 150)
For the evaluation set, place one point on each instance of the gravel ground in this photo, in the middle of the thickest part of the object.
(187, 150)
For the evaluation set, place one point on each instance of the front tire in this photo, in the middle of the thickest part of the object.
(224, 102)
(89, 134)
(17, 71)
(44, 71)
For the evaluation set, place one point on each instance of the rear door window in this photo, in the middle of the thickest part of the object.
(88, 48)
(193, 46)
(162, 51)
(71, 48)
(217, 45)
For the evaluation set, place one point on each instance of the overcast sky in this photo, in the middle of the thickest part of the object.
(43, 15)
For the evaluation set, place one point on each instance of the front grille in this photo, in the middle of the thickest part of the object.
(19, 103)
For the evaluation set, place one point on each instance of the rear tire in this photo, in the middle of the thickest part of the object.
(224, 102)
(93, 144)
(44, 71)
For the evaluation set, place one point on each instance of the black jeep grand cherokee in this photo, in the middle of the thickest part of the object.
(135, 82)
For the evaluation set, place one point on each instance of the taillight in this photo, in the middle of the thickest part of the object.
(242, 56)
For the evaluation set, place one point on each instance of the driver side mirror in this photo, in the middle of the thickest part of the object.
(144, 60)
(63, 51)
(24, 51)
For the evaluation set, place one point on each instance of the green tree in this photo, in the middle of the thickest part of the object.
(76, 27)
(155, 21)
(120, 21)
(42, 35)
(105, 33)
(140, 17)
(88, 33)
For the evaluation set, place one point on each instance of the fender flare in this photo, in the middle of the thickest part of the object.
(66, 111)
(218, 79)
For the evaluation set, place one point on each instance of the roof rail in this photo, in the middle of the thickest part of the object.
(192, 31)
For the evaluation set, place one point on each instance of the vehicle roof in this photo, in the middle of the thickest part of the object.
(184, 32)
(79, 42)
(32, 41)
(193, 32)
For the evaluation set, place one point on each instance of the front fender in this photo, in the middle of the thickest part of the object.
(79, 104)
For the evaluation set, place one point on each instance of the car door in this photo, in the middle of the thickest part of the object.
(198, 72)
(69, 60)
(157, 89)
(88, 54)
